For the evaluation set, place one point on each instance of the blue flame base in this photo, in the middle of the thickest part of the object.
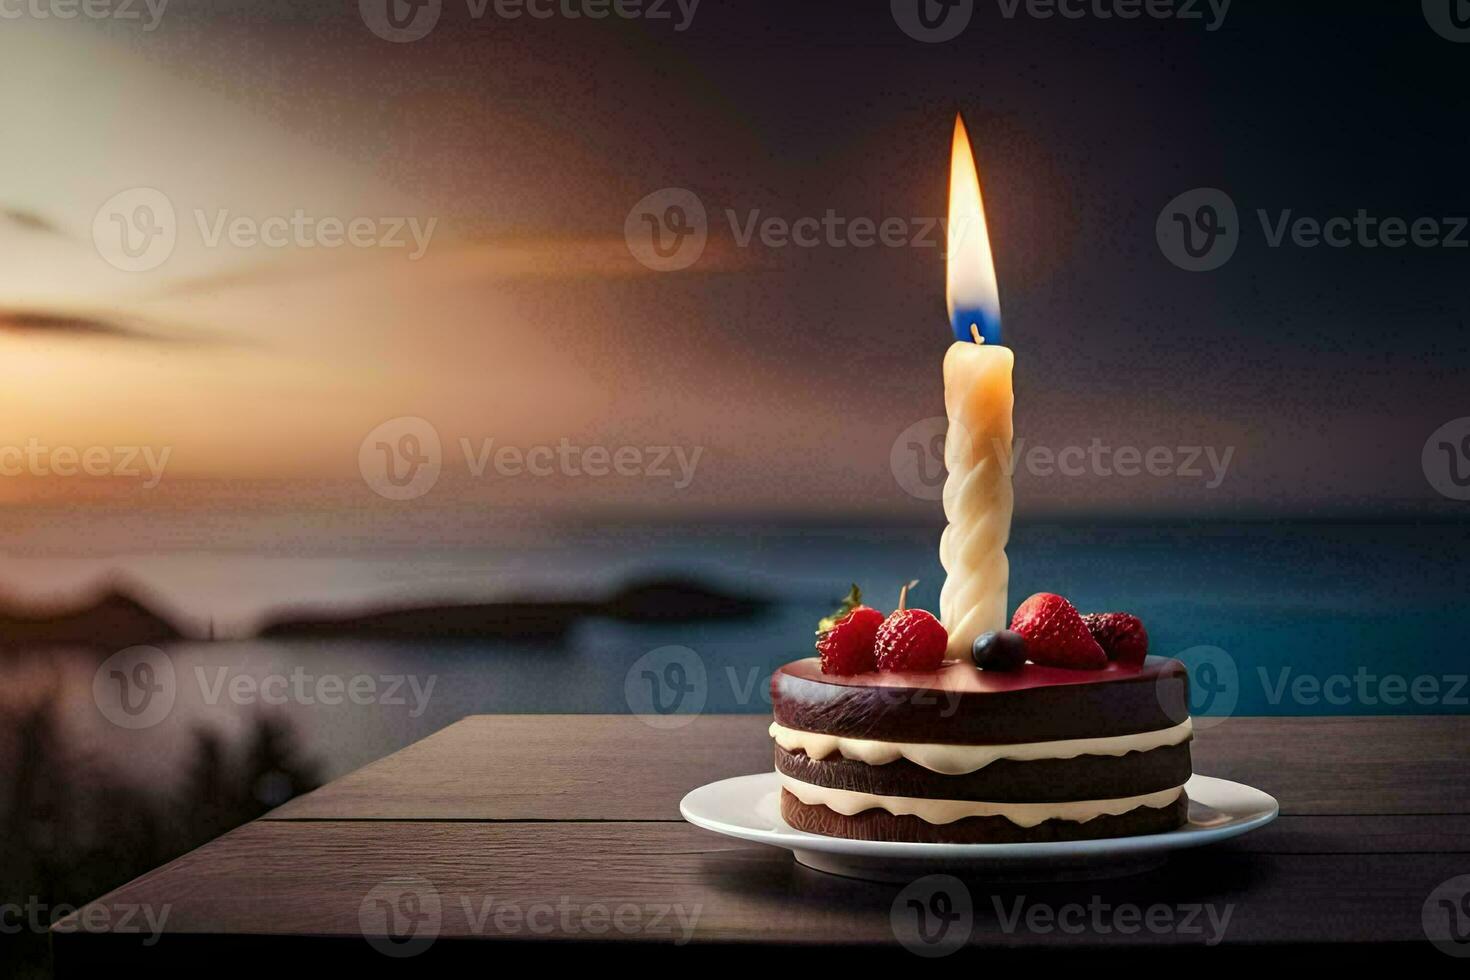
(988, 323)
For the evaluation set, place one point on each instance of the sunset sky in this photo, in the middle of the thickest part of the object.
(527, 320)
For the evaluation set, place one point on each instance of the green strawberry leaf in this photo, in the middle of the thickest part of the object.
(853, 600)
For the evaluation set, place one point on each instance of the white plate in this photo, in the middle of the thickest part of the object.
(748, 807)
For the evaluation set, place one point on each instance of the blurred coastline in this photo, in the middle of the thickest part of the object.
(549, 620)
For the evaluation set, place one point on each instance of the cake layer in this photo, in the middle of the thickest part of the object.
(1006, 781)
(956, 759)
(880, 825)
(958, 704)
(949, 811)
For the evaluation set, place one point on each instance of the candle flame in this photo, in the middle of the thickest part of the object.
(970, 289)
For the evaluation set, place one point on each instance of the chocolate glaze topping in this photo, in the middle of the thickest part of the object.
(959, 704)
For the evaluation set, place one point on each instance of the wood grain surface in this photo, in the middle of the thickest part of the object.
(523, 829)
(606, 767)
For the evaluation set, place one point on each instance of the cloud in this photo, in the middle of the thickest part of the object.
(30, 221)
(471, 260)
(37, 322)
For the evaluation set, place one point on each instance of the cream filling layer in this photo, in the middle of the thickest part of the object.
(955, 760)
(847, 803)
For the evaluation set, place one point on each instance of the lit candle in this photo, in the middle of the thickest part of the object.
(978, 399)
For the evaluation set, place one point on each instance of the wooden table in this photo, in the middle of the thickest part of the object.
(528, 828)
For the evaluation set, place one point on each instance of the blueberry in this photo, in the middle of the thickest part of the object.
(999, 650)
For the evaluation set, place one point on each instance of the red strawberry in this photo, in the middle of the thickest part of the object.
(1056, 635)
(911, 639)
(845, 639)
(1121, 636)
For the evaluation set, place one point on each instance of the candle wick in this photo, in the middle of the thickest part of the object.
(975, 332)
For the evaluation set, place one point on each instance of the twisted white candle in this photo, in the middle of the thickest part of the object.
(978, 500)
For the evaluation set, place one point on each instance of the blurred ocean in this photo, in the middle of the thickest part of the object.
(1311, 618)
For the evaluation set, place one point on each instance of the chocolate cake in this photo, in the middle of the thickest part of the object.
(960, 755)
